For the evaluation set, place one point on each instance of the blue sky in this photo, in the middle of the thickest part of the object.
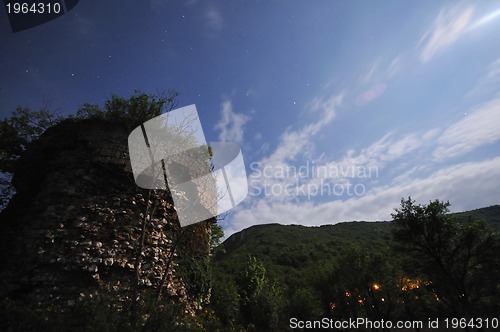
(340, 108)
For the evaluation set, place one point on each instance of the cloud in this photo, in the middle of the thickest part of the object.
(394, 67)
(479, 127)
(368, 76)
(214, 19)
(231, 124)
(461, 184)
(292, 145)
(385, 150)
(329, 174)
(408, 162)
(489, 84)
(381, 70)
(485, 19)
(268, 172)
(293, 142)
(447, 28)
(364, 167)
(373, 93)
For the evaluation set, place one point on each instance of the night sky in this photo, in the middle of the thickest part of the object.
(370, 101)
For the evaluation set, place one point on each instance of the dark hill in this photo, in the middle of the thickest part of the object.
(490, 214)
(294, 251)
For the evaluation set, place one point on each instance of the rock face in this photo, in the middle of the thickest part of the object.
(76, 223)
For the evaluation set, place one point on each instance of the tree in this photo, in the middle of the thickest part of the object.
(261, 300)
(225, 301)
(132, 111)
(305, 304)
(362, 285)
(216, 235)
(459, 261)
(16, 132)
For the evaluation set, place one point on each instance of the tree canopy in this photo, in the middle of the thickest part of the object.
(25, 125)
(131, 111)
(457, 258)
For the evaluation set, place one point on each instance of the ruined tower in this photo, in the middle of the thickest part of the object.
(75, 226)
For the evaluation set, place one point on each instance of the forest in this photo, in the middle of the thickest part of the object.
(424, 264)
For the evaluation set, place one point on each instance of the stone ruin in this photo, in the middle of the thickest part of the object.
(74, 225)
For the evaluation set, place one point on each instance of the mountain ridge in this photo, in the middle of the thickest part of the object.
(481, 213)
(294, 249)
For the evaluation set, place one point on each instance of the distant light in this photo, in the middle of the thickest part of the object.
(376, 286)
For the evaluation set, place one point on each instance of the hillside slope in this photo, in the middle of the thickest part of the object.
(293, 251)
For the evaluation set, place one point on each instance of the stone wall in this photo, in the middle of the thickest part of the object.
(75, 224)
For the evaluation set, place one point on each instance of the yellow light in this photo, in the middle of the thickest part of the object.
(409, 284)
(376, 286)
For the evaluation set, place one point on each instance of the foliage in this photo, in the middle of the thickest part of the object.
(196, 272)
(490, 214)
(456, 258)
(250, 300)
(17, 317)
(132, 111)
(107, 311)
(25, 125)
(362, 285)
(225, 301)
(16, 132)
(305, 303)
(376, 270)
(261, 302)
(216, 235)
(6, 189)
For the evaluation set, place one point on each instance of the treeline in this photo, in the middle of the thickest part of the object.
(432, 265)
